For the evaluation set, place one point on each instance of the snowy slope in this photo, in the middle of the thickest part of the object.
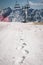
(21, 44)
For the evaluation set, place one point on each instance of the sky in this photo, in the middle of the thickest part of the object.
(11, 3)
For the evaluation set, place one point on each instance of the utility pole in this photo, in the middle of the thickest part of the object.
(26, 10)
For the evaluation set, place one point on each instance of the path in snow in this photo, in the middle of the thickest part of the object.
(21, 44)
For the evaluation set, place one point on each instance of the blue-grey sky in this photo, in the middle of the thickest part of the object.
(11, 3)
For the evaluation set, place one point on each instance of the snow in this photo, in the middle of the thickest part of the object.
(21, 43)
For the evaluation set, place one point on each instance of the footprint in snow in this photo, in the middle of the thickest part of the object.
(21, 39)
(22, 47)
(13, 57)
(27, 51)
(23, 58)
(24, 44)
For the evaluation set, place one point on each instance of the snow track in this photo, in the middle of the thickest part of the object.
(21, 44)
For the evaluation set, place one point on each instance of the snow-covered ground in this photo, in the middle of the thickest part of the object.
(21, 44)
